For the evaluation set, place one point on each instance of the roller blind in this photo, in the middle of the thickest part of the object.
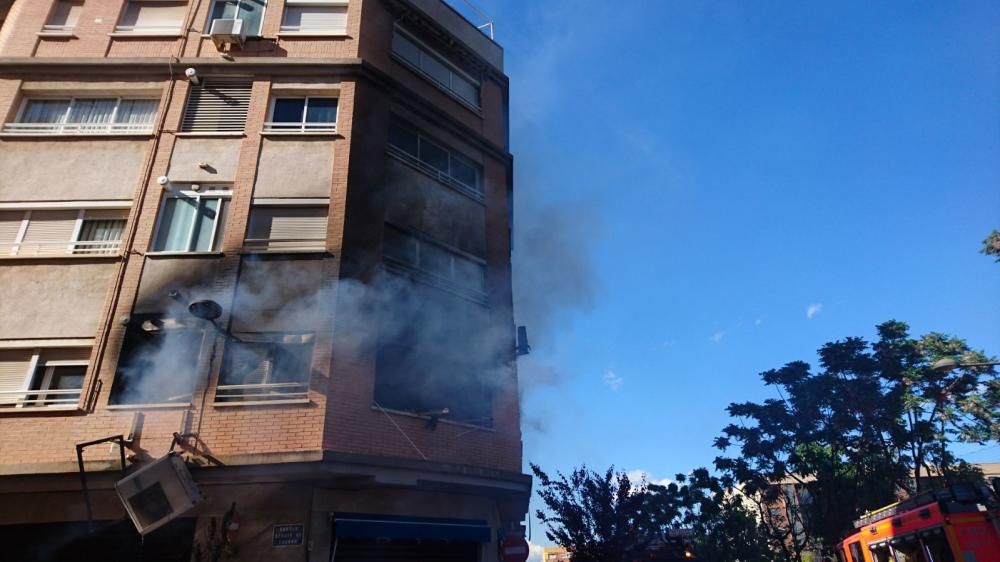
(81, 354)
(153, 16)
(288, 227)
(10, 224)
(48, 232)
(217, 105)
(14, 365)
(330, 19)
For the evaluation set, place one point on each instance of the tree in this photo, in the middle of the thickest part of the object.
(597, 517)
(991, 246)
(855, 435)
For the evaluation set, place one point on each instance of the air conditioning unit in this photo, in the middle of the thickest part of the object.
(227, 32)
(158, 493)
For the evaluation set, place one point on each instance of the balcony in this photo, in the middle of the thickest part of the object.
(53, 399)
(78, 128)
(467, 23)
(56, 249)
(262, 393)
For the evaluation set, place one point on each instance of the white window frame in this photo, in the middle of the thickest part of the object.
(303, 127)
(43, 391)
(73, 246)
(150, 31)
(426, 273)
(64, 128)
(284, 29)
(203, 193)
(48, 28)
(258, 33)
(426, 50)
(478, 191)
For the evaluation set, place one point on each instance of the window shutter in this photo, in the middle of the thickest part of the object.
(316, 18)
(153, 16)
(14, 365)
(106, 214)
(299, 227)
(48, 232)
(10, 225)
(218, 105)
(81, 354)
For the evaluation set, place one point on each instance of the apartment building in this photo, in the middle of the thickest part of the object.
(255, 255)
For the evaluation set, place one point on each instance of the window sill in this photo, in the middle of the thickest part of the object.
(159, 406)
(40, 410)
(261, 403)
(220, 134)
(443, 420)
(35, 135)
(334, 134)
(145, 34)
(56, 34)
(319, 34)
(184, 254)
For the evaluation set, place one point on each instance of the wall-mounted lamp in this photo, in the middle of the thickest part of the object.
(192, 75)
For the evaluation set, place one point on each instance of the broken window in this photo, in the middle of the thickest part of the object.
(434, 354)
(266, 367)
(158, 363)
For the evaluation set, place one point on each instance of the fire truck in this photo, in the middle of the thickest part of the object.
(958, 524)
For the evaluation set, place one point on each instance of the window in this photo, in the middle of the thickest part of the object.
(936, 546)
(281, 228)
(42, 378)
(43, 232)
(250, 11)
(159, 360)
(266, 367)
(315, 16)
(907, 549)
(880, 552)
(855, 548)
(152, 17)
(303, 115)
(403, 249)
(430, 157)
(217, 105)
(65, 14)
(192, 221)
(85, 116)
(435, 67)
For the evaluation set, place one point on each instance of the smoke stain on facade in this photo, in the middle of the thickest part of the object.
(336, 176)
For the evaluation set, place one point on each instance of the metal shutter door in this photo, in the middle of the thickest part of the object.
(304, 227)
(218, 105)
(49, 232)
(14, 365)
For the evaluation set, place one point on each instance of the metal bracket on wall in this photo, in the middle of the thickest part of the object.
(122, 443)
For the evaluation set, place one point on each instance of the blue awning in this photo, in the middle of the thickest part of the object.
(368, 526)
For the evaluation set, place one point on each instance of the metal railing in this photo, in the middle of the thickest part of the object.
(39, 398)
(284, 244)
(280, 127)
(83, 248)
(262, 393)
(440, 176)
(77, 128)
(474, 15)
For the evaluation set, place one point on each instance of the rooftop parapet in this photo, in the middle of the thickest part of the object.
(466, 23)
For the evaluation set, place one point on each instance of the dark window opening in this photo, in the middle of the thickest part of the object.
(856, 552)
(266, 367)
(110, 540)
(936, 546)
(158, 361)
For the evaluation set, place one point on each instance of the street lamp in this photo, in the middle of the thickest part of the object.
(950, 364)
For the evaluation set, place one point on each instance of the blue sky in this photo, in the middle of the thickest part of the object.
(725, 168)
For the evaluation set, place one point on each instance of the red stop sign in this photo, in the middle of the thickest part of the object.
(514, 549)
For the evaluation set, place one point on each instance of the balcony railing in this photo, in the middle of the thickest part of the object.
(285, 127)
(64, 398)
(284, 244)
(262, 393)
(474, 15)
(78, 128)
(43, 249)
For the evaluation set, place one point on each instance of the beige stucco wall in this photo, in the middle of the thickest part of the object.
(295, 167)
(220, 155)
(70, 169)
(57, 299)
(416, 201)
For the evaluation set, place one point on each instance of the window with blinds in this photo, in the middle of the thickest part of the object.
(217, 105)
(45, 377)
(266, 367)
(84, 116)
(41, 232)
(315, 16)
(152, 17)
(286, 228)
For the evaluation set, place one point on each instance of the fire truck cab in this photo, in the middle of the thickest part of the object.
(955, 525)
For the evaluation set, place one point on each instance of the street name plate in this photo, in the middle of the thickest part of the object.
(288, 535)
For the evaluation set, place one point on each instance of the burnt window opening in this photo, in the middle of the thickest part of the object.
(436, 352)
(158, 362)
(266, 367)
